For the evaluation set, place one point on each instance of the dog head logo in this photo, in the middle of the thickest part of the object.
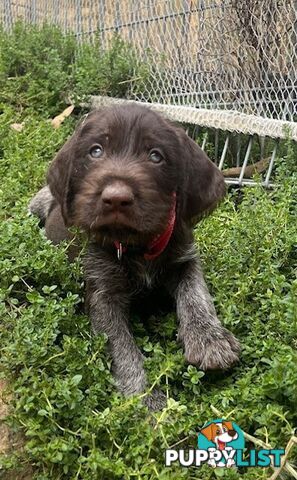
(220, 434)
(221, 438)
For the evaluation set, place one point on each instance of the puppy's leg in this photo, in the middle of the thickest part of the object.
(109, 315)
(44, 206)
(207, 343)
(41, 203)
(108, 307)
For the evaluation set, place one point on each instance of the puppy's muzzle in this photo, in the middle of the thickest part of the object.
(117, 197)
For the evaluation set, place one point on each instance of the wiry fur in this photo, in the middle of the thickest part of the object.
(41, 203)
(77, 183)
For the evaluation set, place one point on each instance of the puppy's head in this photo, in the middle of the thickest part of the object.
(118, 175)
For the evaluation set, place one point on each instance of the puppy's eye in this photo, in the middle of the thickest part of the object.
(96, 151)
(155, 156)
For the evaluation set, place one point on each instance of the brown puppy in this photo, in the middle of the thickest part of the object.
(136, 184)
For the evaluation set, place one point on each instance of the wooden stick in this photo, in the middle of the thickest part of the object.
(250, 170)
(284, 464)
(291, 443)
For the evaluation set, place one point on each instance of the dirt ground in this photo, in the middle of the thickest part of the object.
(9, 440)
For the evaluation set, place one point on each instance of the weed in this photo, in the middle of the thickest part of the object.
(41, 69)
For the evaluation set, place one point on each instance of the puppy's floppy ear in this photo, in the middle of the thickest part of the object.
(203, 184)
(59, 173)
(60, 170)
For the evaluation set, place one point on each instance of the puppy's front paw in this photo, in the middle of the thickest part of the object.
(217, 349)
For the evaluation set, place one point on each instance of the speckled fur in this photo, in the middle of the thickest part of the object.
(112, 285)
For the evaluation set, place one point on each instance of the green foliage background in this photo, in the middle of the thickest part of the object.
(75, 424)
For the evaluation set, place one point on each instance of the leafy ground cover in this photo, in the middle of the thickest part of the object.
(75, 425)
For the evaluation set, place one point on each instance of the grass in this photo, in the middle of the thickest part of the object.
(74, 423)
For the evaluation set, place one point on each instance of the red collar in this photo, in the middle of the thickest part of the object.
(159, 243)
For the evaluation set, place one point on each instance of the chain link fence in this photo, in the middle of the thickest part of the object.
(214, 54)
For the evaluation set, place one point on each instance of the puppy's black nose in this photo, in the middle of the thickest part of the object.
(232, 433)
(117, 196)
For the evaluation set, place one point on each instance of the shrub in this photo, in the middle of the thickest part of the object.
(74, 423)
(42, 69)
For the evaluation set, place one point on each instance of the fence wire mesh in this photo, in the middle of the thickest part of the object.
(214, 54)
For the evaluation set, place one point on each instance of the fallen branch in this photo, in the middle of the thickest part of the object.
(284, 464)
(250, 170)
(59, 119)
